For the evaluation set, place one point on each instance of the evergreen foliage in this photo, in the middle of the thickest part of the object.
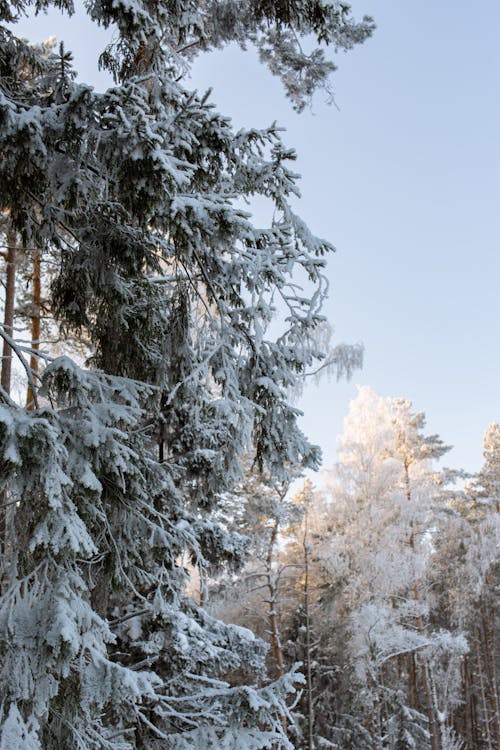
(111, 480)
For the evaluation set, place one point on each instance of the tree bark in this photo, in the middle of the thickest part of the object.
(484, 704)
(412, 682)
(8, 317)
(307, 613)
(6, 381)
(35, 325)
(273, 603)
(488, 650)
(433, 725)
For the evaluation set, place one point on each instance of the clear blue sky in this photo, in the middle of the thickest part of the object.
(404, 178)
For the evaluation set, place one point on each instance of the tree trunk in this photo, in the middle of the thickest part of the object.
(273, 592)
(412, 682)
(431, 714)
(488, 648)
(435, 733)
(203, 585)
(469, 717)
(8, 317)
(484, 704)
(307, 613)
(35, 324)
(6, 377)
(273, 603)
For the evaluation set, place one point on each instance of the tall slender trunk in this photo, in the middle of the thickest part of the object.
(307, 613)
(6, 381)
(412, 682)
(425, 673)
(427, 690)
(35, 324)
(273, 602)
(431, 713)
(203, 591)
(412, 673)
(412, 667)
(488, 649)
(8, 317)
(469, 729)
(272, 585)
(484, 704)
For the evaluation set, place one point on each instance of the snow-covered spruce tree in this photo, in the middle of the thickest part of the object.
(112, 478)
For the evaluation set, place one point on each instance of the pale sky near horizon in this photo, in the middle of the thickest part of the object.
(404, 178)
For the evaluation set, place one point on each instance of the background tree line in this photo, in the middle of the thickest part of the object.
(383, 584)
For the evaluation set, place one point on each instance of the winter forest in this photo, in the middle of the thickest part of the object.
(176, 573)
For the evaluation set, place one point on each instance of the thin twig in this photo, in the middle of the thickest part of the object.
(188, 46)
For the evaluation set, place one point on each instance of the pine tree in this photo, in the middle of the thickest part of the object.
(378, 518)
(114, 475)
(465, 581)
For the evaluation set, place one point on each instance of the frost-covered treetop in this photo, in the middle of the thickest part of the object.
(155, 34)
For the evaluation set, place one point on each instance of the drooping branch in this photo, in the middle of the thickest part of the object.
(29, 372)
